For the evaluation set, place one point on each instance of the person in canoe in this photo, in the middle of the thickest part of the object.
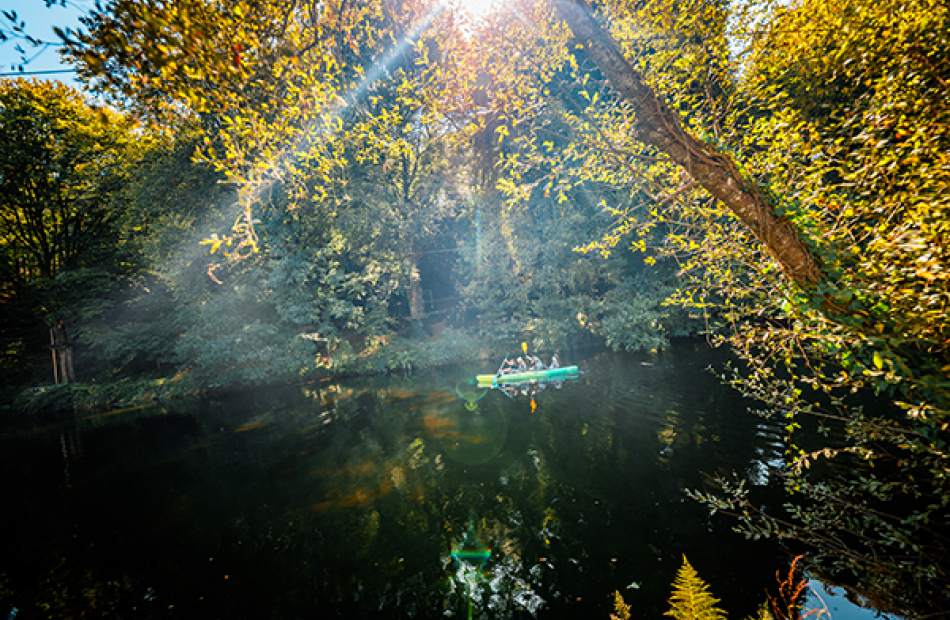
(507, 367)
(522, 367)
(536, 363)
(555, 361)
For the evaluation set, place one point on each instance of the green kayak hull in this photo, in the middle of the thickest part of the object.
(522, 377)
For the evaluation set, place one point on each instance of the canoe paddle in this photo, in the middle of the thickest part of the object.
(502, 364)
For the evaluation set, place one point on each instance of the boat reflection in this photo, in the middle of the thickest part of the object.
(493, 592)
(529, 389)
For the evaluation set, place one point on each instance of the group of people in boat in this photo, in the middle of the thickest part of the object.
(526, 363)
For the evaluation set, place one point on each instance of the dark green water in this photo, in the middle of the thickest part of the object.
(347, 500)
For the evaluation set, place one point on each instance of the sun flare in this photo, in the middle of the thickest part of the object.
(478, 8)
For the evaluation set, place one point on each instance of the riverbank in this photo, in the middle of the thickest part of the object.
(371, 357)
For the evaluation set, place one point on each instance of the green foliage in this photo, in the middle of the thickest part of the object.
(230, 338)
(691, 599)
(836, 114)
(868, 146)
(64, 168)
(393, 354)
(172, 60)
(343, 193)
(330, 273)
(94, 395)
(631, 317)
(525, 280)
(852, 139)
(44, 400)
(343, 198)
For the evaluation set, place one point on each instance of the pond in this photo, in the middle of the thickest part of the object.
(416, 496)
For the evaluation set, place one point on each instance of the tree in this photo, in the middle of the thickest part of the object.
(521, 273)
(658, 126)
(857, 130)
(812, 226)
(807, 205)
(832, 164)
(406, 172)
(63, 165)
(271, 83)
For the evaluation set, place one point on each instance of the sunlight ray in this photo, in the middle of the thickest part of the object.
(250, 193)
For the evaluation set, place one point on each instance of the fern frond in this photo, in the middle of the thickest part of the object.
(621, 607)
(691, 599)
(762, 613)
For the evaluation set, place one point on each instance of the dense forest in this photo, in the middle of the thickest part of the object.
(265, 192)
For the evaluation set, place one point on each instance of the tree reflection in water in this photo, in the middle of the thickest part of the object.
(347, 500)
(495, 592)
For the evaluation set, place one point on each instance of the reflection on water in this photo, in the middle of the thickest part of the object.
(469, 391)
(466, 435)
(493, 593)
(470, 556)
(391, 497)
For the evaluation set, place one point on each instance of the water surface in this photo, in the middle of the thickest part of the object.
(348, 499)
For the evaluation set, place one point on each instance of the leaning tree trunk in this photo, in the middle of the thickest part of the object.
(658, 126)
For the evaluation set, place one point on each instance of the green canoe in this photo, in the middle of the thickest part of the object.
(530, 375)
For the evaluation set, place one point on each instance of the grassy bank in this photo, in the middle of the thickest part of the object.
(376, 356)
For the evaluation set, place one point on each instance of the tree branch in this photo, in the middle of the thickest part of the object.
(658, 126)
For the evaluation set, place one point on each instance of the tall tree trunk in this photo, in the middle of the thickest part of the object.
(416, 301)
(68, 364)
(52, 350)
(62, 348)
(662, 129)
